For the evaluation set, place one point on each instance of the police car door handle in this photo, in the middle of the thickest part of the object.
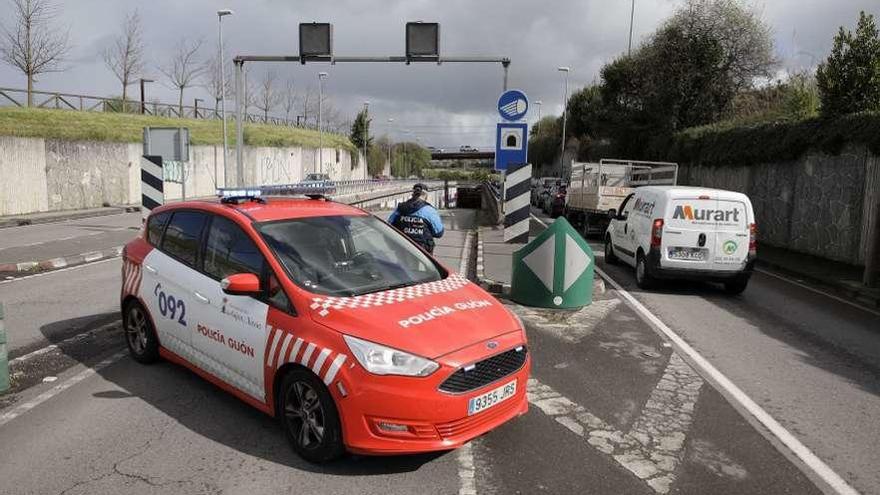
(151, 269)
(201, 298)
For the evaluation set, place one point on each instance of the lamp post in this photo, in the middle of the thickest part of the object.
(220, 15)
(564, 70)
(538, 104)
(632, 16)
(406, 175)
(143, 105)
(321, 76)
(366, 131)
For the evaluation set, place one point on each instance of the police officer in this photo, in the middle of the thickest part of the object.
(418, 219)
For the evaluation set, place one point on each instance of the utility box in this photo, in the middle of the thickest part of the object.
(422, 41)
(315, 42)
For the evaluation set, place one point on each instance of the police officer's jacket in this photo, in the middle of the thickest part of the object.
(419, 220)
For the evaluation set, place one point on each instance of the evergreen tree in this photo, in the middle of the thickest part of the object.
(849, 81)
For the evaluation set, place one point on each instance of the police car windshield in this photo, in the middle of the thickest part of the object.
(347, 255)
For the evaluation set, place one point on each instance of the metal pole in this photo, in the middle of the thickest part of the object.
(4, 356)
(632, 16)
(366, 133)
(239, 125)
(506, 64)
(320, 124)
(142, 97)
(223, 100)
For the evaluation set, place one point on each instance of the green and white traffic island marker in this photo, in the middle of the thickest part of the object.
(555, 270)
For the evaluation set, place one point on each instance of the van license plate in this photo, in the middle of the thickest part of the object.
(687, 254)
(491, 398)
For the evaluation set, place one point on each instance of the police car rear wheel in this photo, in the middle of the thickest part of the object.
(309, 417)
(140, 335)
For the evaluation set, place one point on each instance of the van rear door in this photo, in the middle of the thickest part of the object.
(688, 241)
(732, 238)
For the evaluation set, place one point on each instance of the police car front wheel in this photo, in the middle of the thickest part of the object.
(309, 417)
(140, 336)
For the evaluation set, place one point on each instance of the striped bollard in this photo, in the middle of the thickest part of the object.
(517, 191)
(4, 355)
(152, 184)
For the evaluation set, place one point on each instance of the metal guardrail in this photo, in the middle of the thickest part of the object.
(14, 97)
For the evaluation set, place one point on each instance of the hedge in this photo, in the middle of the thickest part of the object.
(737, 144)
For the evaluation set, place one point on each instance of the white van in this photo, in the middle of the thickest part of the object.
(673, 232)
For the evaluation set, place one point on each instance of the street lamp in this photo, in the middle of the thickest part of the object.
(406, 132)
(564, 70)
(632, 16)
(538, 103)
(321, 76)
(143, 106)
(366, 131)
(220, 15)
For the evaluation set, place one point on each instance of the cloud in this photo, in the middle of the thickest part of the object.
(444, 105)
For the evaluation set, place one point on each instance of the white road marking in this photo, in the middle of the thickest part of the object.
(53, 272)
(817, 291)
(57, 389)
(52, 347)
(812, 463)
(465, 456)
(815, 467)
(652, 450)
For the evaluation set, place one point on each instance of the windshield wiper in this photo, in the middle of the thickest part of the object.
(390, 287)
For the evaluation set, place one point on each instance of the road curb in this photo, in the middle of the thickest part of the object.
(502, 289)
(63, 262)
(23, 220)
(845, 290)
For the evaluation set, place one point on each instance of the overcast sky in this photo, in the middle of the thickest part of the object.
(445, 106)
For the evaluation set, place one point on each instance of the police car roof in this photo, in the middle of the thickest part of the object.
(276, 208)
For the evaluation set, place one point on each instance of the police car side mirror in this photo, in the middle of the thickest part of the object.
(241, 284)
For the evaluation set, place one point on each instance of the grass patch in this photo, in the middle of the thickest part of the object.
(71, 125)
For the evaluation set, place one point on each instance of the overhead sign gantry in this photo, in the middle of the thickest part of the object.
(316, 45)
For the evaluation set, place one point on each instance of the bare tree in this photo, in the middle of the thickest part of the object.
(34, 46)
(184, 69)
(309, 104)
(125, 58)
(218, 87)
(289, 99)
(267, 96)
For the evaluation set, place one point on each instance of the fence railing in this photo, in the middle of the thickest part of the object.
(86, 103)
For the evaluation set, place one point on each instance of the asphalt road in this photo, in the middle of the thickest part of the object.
(809, 360)
(614, 410)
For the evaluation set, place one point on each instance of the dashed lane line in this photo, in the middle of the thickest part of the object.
(652, 449)
(57, 389)
(61, 270)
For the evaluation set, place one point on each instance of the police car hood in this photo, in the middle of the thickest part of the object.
(428, 320)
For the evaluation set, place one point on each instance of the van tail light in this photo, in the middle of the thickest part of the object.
(656, 233)
(753, 239)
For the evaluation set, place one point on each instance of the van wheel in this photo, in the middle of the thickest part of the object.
(736, 286)
(643, 275)
(610, 257)
(309, 417)
(140, 336)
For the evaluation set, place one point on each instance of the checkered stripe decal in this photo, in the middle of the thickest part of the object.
(324, 305)
(131, 277)
(284, 347)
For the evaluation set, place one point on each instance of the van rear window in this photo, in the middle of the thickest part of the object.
(701, 213)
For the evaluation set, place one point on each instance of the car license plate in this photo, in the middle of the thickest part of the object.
(687, 254)
(491, 398)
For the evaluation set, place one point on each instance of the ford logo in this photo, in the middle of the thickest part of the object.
(492, 344)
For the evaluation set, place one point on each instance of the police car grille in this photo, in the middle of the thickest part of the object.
(485, 371)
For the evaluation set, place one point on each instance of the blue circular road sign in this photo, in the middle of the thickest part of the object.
(513, 105)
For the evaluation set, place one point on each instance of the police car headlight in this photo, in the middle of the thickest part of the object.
(381, 360)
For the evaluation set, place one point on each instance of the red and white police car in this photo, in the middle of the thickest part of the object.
(325, 317)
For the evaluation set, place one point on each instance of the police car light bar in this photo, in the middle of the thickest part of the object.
(313, 190)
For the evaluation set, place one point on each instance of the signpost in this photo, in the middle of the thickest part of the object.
(555, 270)
(512, 136)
